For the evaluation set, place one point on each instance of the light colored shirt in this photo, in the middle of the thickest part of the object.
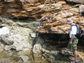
(73, 31)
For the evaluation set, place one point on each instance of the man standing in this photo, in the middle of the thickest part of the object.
(72, 45)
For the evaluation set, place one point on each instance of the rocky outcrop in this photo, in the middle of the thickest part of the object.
(39, 39)
(22, 8)
(76, 1)
(17, 38)
(52, 17)
(81, 9)
(57, 22)
(14, 38)
(19, 42)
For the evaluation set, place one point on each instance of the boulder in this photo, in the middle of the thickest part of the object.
(75, 1)
(17, 38)
(37, 49)
(7, 48)
(1, 47)
(33, 35)
(6, 40)
(81, 9)
(24, 58)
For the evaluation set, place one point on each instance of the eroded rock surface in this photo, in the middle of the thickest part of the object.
(52, 15)
(19, 42)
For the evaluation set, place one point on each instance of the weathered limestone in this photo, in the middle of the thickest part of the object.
(18, 40)
(76, 1)
(52, 16)
(37, 49)
(24, 58)
(1, 47)
(81, 9)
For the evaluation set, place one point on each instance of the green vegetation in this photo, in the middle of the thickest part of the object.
(50, 5)
(45, 4)
(54, 7)
(74, 7)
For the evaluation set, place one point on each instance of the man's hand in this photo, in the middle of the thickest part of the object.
(71, 39)
(67, 32)
(70, 42)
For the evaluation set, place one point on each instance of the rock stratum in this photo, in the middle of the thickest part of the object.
(52, 14)
(19, 21)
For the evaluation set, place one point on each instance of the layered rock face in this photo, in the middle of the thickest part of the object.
(52, 14)
(55, 20)
(76, 1)
(18, 41)
(21, 8)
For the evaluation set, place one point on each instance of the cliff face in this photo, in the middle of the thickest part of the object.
(21, 8)
(52, 14)
(24, 8)
(18, 41)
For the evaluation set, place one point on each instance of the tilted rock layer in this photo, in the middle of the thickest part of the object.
(52, 14)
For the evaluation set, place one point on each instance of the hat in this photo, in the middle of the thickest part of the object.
(69, 20)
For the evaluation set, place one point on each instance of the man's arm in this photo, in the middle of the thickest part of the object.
(71, 39)
(67, 32)
(73, 34)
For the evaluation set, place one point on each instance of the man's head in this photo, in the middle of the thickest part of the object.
(69, 21)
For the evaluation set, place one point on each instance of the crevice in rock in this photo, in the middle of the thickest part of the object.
(55, 39)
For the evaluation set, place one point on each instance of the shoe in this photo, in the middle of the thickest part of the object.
(74, 62)
(74, 56)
